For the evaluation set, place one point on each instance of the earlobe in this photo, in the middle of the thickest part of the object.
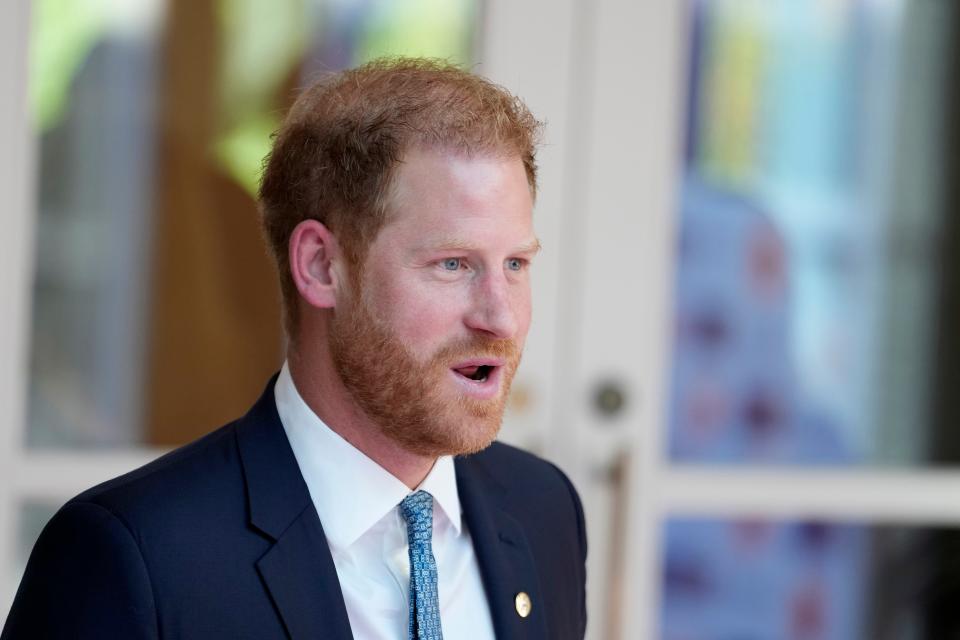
(313, 251)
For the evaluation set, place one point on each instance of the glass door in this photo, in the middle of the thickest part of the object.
(768, 296)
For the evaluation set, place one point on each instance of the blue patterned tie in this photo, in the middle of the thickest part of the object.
(417, 510)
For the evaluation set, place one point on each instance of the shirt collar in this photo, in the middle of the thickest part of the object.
(350, 491)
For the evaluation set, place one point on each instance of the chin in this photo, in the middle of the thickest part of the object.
(456, 436)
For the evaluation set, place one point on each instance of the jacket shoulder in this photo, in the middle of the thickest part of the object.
(84, 544)
(533, 489)
(185, 481)
(519, 470)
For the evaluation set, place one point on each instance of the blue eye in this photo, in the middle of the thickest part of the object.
(451, 264)
(514, 264)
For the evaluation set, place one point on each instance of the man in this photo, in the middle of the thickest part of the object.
(397, 201)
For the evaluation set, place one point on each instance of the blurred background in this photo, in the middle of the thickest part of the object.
(746, 311)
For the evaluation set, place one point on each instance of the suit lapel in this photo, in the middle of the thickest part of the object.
(302, 580)
(298, 569)
(506, 563)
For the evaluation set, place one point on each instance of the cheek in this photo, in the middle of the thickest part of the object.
(427, 325)
(422, 317)
(524, 310)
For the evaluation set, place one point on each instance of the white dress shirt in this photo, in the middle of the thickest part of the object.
(357, 501)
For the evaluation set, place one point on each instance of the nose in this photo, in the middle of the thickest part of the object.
(497, 307)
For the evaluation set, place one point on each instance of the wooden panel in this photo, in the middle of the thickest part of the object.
(215, 333)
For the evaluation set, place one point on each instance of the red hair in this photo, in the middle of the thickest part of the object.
(335, 154)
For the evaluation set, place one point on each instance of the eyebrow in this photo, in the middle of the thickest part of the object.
(533, 246)
(459, 244)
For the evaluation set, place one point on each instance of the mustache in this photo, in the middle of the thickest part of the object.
(479, 346)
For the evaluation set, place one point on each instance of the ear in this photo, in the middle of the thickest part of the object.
(314, 256)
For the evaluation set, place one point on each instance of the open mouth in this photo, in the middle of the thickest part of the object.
(477, 373)
(479, 378)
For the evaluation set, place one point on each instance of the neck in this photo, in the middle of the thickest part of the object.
(320, 387)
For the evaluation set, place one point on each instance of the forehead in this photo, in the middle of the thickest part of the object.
(440, 191)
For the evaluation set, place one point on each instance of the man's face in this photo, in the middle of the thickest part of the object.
(430, 344)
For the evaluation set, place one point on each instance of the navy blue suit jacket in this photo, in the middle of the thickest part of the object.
(220, 539)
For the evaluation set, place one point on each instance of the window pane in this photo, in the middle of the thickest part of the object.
(33, 516)
(758, 580)
(156, 314)
(814, 276)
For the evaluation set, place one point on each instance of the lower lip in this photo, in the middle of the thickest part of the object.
(480, 389)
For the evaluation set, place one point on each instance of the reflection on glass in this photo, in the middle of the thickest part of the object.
(805, 333)
(155, 314)
(768, 580)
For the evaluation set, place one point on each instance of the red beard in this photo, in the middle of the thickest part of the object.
(413, 402)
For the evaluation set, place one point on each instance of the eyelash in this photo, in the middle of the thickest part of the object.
(520, 262)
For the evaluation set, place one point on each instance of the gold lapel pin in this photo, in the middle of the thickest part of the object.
(523, 604)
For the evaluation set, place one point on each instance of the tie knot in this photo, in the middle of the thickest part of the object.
(417, 510)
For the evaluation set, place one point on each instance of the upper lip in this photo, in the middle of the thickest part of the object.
(478, 362)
